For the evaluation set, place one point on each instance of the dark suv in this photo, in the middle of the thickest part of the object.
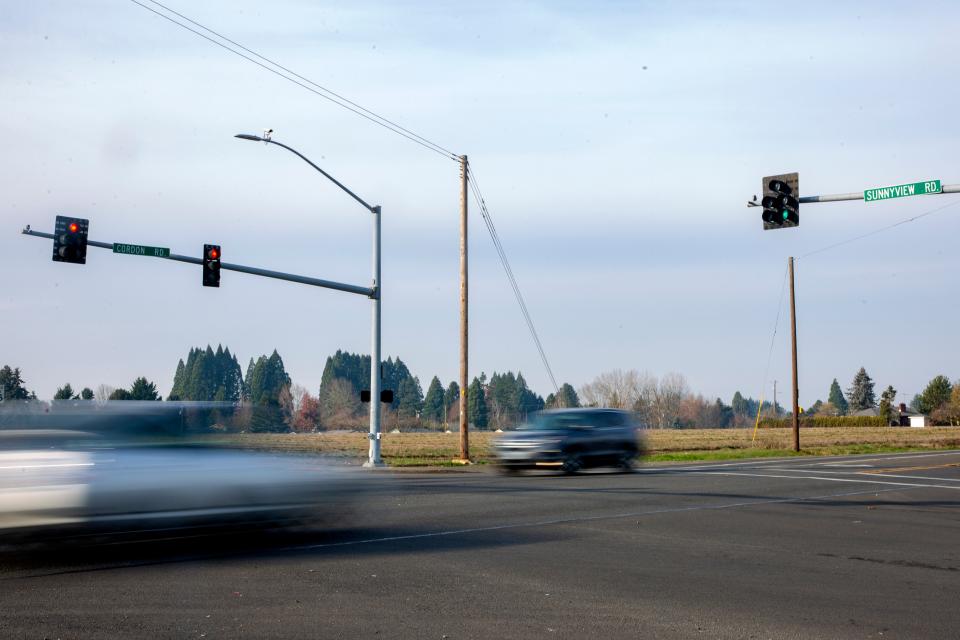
(571, 439)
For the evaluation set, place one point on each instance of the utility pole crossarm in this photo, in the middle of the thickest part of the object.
(369, 292)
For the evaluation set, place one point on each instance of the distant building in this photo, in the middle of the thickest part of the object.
(910, 418)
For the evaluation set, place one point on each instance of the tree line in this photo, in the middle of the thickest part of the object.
(668, 403)
(940, 400)
(264, 398)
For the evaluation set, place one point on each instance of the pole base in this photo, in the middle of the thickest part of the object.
(379, 464)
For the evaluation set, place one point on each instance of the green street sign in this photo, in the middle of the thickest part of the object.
(141, 250)
(903, 190)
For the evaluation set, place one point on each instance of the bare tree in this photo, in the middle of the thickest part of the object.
(668, 395)
(338, 402)
(617, 389)
(104, 391)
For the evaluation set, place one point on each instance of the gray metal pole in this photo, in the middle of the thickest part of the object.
(857, 195)
(375, 408)
(228, 266)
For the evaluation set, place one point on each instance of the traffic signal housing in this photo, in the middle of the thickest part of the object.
(211, 265)
(386, 396)
(70, 240)
(781, 201)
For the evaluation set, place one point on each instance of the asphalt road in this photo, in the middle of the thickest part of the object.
(856, 547)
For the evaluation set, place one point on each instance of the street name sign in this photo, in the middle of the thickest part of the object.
(903, 190)
(141, 250)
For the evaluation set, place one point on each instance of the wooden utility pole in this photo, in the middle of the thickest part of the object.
(464, 430)
(796, 391)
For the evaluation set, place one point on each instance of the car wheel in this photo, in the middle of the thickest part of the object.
(508, 470)
(625, 461)
(571, 463)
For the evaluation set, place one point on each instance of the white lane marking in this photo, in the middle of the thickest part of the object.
(769, 475)
(861, 473)
(843, 464)
(815, 460)
(576, 519)
(48, 466)
(906, 456)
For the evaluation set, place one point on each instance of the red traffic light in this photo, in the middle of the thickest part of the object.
(73, 227)
(211, 265)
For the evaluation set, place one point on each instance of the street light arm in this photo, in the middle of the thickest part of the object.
(245, 136)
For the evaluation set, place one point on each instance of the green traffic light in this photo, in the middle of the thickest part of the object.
(786, 214)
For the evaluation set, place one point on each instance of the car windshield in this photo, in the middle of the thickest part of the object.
(555, 422)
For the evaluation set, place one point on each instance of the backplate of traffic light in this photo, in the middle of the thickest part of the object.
(781, 201)
(211, 265)
(70, 240)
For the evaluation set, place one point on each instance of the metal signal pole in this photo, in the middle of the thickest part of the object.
(464, 348)
(796, 390)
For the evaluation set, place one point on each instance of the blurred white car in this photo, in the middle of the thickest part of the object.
(55, 479)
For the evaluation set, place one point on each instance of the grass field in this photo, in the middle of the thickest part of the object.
(439, 449)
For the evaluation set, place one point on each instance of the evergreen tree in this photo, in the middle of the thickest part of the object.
(120, 394)
(567, 397)
(886, 404)
(142, 389)
(64, 393)
(739, 405)
(86, 394)
(860, 396)
(527, 401)
(724, 414)
(451, 398)
(355, 369)
(409, 398)
(208, 375)
(267, 378)
(246, 380)
(477, 404)
(935, 395)
(837, 399)
(11, 385)
(176, 393)
(433, 408)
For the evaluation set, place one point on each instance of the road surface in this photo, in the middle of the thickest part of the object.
(852, 547)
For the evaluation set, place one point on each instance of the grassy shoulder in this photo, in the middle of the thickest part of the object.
(433, 449)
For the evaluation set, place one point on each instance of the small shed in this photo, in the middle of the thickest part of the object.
(910, 418)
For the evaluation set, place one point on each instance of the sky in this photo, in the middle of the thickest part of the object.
(616, 145)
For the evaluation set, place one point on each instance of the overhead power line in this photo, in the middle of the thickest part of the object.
(773, 338)
(297, 79)
(502, 254)
(880, 230)
(291, 76)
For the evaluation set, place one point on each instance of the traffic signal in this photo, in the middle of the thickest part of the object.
(781, 201)
(386, 396)
(211, 265)
(70, 240)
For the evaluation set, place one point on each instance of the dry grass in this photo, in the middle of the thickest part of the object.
(439, 448)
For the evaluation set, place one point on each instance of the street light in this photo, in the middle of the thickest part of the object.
(374, 459)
